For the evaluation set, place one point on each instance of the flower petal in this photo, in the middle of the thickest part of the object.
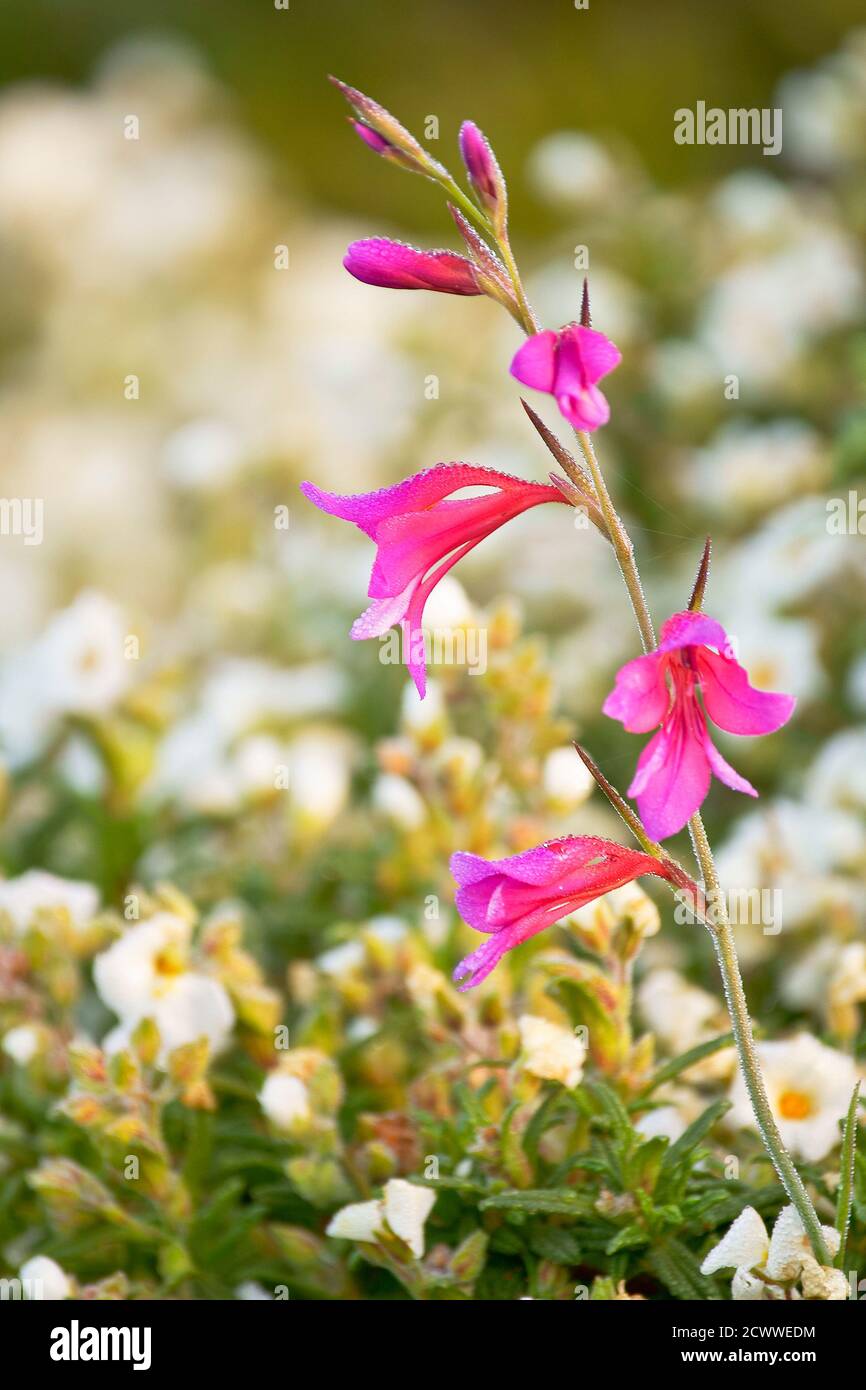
(383, 613)
(639, 699)
(414, 494)
(393, 265)
(586, 409)
(535, 363)
(723, 769)
(673, 776)
(744, 1245)
(692, 630)
(584, 357)
(517, 897)
(734, 704)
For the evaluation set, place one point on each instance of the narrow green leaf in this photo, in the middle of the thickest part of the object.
(689, 1141)
(537, 1199)
(845, 1196)
(686, 1060)
(674, 1264)
(614, 1110)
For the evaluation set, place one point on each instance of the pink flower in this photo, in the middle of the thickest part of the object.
(395, 266)
(660, 688)
(515, 898)
(567, 364)
(421, 530)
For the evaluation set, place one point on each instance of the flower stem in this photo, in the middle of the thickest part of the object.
(729, 967)
(622, 544)
(719, 925)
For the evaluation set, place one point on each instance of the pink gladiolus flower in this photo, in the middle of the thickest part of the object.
(674, 770)
(420, 531)
(567, 364)
(395, 266)
(515, 898)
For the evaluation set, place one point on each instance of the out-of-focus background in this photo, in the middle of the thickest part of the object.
(180, 347)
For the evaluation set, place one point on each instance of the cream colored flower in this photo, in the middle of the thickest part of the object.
(22, 897)
(404, 1207)
(148, 973)
(285, 1100)
(809, 1087)
(567, 782)
(550, 1051)
(81, 657)
(767, 1267)
(399, 801)
(44, 1279)
(22, 1043)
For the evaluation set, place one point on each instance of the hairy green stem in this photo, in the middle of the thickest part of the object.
(719, 924)
(729, 966)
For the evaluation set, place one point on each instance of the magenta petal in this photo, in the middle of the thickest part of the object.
(395, 266)
(479, 963)
(480, 162)
(382, 614)
(639, 699)
(417, 493)
(597, 353)
(535, 363)
(542, 865)
(371, 137)
(517, 897)
(584, 410)
(724, 771)
(409, 544)
(672, 778)
(734, 704)
(692, 630)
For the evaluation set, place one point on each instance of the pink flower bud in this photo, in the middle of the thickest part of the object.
(395, 266)
(395, 141)
(484, 172)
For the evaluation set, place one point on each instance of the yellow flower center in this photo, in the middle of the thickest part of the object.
(169, 961)
(794, 1105)
(90, 659)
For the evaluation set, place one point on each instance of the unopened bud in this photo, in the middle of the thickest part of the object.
(484, 173)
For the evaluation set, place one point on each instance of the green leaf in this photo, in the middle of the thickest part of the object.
(614, 1111)
(555, 1107)
(532, 1200)
(558, 1244)
(675, 1265)
(687, 1142)
(629, 1238)
(845, 1196)
(688, 1059)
